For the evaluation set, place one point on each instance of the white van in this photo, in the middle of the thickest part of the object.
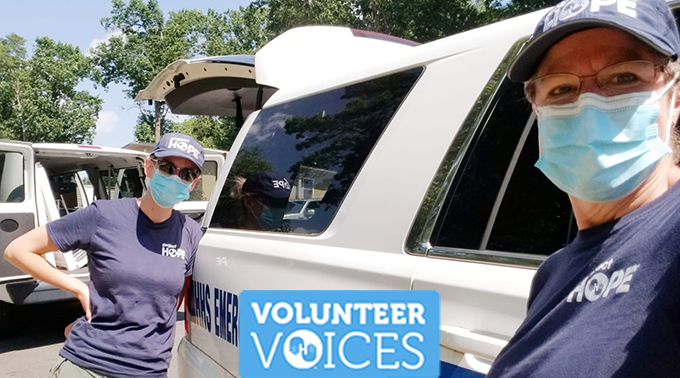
(420, 161)
(40, 182)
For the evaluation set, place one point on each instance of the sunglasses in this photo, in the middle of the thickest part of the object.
(166, 168)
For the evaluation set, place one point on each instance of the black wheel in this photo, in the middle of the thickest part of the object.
(5, 317)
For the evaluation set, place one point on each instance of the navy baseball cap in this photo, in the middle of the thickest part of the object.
(267, 183)
(180, 145)
(650, 21)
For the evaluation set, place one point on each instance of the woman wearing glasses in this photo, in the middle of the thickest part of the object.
(140, 252)
(602, 79)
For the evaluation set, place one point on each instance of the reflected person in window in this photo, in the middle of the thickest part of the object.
(263, 199)
(602, 77)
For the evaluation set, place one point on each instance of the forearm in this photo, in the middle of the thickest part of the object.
(25, 253)
(37, 267)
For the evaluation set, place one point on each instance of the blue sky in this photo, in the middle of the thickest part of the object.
(77, 22)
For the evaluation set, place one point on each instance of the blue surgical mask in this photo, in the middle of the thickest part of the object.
(271, 218)
(599, 148)
(168, 191)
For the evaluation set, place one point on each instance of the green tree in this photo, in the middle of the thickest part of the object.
(147, 43)
(146, 125)
(12, 60)
(418, 20)
(235, 32)
(38, 97)
(212, 132)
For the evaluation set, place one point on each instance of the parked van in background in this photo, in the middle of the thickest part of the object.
(420, 159)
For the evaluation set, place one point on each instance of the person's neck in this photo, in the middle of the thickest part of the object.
(591, 214)
(151, 209)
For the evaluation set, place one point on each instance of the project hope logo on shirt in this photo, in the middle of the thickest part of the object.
(339, 334)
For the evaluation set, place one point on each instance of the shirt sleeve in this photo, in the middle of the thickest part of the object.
(75, 230)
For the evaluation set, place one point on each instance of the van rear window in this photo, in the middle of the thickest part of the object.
(11, 177)
(316, 146)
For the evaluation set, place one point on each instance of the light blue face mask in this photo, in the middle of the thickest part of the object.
(271, 218)
(599, 148)
(168, 191)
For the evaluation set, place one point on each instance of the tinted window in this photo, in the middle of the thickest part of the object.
(319, 144)
(11, 177)
(535, 216)
(206, 183)
(499, 200)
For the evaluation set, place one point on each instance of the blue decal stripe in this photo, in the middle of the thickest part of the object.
(448, 370)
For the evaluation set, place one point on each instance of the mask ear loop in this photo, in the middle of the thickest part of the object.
(670, 122)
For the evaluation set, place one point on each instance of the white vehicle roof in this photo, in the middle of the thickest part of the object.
(489, 38)
(311, 53)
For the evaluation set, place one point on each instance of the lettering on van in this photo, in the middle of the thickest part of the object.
(215, 310)
(600, 284)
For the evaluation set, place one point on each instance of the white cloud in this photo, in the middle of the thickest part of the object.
(107, 122)
(263, 131)
(96, 41)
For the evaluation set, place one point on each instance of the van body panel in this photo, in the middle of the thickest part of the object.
(232, 261)
(17, 198)
(498, 36)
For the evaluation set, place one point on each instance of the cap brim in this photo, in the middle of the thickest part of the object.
(170, 153)
(529, 58)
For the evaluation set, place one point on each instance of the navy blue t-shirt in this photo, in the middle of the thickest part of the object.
(606, 305)
(137, 271)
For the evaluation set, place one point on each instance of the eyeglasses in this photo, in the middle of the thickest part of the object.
(166, 168)
(617, 79)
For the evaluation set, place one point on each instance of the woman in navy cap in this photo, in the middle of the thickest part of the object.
(601, 76)
(140, 252)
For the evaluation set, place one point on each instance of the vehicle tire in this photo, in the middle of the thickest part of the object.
(5, 317)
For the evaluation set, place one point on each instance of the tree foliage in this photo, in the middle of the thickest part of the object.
(38, 97)
(147, 43)
(235, 32)
(212, 132)
(418, 20)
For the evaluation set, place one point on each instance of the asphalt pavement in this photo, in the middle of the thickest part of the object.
(31, 348)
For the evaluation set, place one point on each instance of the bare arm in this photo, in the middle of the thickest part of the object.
(24, 253)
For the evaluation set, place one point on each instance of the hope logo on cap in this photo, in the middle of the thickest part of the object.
(180, 145)
(184, 145)
(571, 8)
(650, 21)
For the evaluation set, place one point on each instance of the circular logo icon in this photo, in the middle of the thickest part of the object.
(302, 349)
(573, 8)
